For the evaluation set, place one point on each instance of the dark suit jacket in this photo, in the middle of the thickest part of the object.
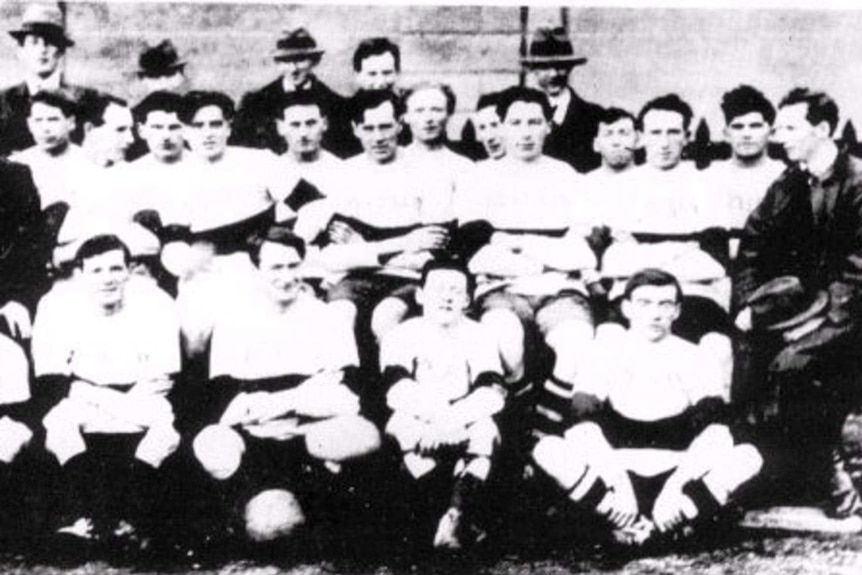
(24, 251)
(254, 125)
(572, 141)
(14, 107)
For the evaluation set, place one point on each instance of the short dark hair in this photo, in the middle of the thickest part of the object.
(744, 100)
(527, 95)
(821, 108)
(93, 107)
(365, 100)
(299, 98)
(195, 100)
(652, 277)
(668, 103)
(452, 265)
(98, 245)
(276, 234)
(613, 115)
(488, 100)
(55, 99)
(159, 101)
(443, 88)
(375, 47)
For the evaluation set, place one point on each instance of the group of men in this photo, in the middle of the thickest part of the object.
(279, 300)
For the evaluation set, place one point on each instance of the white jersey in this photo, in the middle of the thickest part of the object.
(444, 361)
(71, 336)
(740, 190)
(251, 340)
(58, 178)
(648, 381)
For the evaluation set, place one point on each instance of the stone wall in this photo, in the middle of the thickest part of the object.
(635, 54)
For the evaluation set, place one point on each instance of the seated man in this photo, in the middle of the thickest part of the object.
(446, 386)
(649, 413)
(281, 367)
(519, 217)
(106, 351)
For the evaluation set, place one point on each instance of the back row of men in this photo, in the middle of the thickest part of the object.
(553, 254)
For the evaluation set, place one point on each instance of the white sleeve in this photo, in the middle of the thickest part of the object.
(341, 343)
(52, 341)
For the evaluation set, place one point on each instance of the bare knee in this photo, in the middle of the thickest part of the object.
(342, 439)
(272, 514)
(219, 450)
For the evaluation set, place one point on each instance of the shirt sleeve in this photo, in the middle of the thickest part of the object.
(341, 341)
(52, 345)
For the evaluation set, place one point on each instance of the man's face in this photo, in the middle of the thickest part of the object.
(444, 296)
(651, 311)
(525, 129)
(39, 57)
(378, 133)
(377, 72)
(169, 83)
(616, 143)
(163, 133)
(295, 70)
(799, 137)
(748, 135)
(552, 80)
(106, 275)
(489, 132)
(113, 138)
(302, 127)
(427, 115)
(279, 269)
(50, 128)
(664, 137)
(208, 132)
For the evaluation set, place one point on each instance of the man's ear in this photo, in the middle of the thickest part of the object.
(823, 130)
(88, 127)
(625, 308)
(356, 129)
(677, 311)
(419, 295)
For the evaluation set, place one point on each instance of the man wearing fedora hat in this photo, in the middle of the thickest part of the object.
(296, 55)
(160, 68)
(42, 43)
(809, 225)
(550, 60)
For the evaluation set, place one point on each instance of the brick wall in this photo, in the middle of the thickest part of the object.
(634, 54)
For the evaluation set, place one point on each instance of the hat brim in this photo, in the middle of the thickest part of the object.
(303, 53)
(166, 71)
(540, 60)
(818, 305)
(64, 41)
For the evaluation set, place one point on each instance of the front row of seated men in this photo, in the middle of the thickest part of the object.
(282, 411)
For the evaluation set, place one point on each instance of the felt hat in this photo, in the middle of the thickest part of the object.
(160, 60)
(44, 20)
(298, 43)
(551, 46)
(784, 303)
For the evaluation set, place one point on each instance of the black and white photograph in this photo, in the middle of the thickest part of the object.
(391, 288)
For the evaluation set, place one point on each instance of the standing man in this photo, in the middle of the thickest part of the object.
(550, 61)
(296, 55)
(808, 227)
(160, 68)
(377, 64)
(42, 44)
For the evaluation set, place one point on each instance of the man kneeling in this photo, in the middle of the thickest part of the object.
(281, 364)
(446, 385)
(650, 420)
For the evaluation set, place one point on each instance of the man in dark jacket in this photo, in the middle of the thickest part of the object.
(808, 226)
(42, 42)
(296, 55)
(575, 121)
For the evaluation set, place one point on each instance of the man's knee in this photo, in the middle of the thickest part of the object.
(342, 439)
(482, 437)
(219, 450)
(509, 331)
(272, 514)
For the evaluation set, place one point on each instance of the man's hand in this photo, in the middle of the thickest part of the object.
(672, 508)
(620, 505)
(743, 320)
(343, 233)
(18, 319)
(426, 238)
(440, 435)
